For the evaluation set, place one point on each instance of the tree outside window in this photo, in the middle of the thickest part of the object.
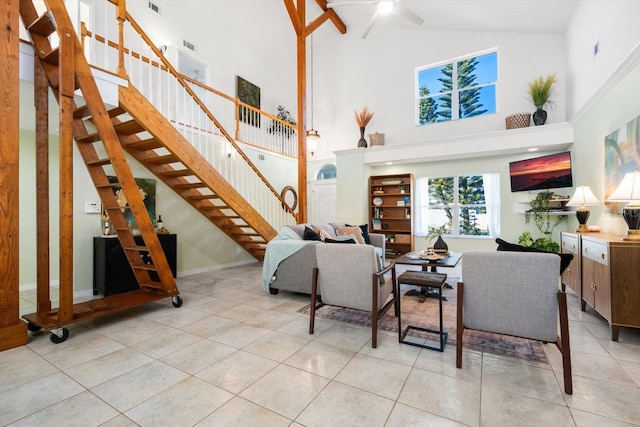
(459, 89)
(456, 206)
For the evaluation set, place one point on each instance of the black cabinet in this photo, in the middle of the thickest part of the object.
(112, 273)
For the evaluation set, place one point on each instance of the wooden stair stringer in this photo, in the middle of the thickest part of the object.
(84, 81)
(143, 112)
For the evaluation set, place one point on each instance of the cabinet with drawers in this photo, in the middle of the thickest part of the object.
(570, 244)
(609, 277)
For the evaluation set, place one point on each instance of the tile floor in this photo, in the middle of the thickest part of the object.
(235, 355)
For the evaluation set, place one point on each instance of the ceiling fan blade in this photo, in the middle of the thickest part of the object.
(407, 14)
(369, 26)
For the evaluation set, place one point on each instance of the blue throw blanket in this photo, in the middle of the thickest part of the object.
(285, 244)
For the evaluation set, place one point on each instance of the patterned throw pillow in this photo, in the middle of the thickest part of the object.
(355, 231)
(323, 234)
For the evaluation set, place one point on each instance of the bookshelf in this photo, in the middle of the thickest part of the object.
(390, 211)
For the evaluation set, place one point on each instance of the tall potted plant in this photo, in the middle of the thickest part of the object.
(540, 92)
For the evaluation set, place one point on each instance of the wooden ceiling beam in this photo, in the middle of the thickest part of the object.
(293, 15)
(332, 15)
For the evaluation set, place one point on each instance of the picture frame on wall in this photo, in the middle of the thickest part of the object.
(147, 189)
(249, 94)
(621, 150)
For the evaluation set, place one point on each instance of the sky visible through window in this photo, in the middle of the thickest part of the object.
(478, 75)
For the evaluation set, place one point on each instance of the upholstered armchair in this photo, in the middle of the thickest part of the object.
(514, 293)
(349, 276)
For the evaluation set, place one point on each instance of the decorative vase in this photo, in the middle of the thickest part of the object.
(362, 142)
(539, 117)
(440, 245)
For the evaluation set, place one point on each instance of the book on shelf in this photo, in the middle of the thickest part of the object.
(377, 224)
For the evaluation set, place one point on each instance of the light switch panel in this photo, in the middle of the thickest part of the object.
(92, 207)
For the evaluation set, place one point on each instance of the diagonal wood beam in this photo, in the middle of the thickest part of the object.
(293, 15)
(333, 16)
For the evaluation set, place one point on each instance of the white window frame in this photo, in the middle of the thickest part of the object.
(455, 92)
(491, 183)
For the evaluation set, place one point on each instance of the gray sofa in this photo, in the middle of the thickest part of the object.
(294, 273)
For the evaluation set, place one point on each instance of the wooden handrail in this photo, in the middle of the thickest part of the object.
(121, 11)
(204, 109)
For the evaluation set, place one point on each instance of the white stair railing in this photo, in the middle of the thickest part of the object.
(215, 142)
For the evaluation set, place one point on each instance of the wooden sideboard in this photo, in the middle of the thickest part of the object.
(605, 273)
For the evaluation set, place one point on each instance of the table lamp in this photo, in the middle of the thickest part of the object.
(582, 198)
(629, 191)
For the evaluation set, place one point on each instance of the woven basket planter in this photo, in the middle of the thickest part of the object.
(520, 120)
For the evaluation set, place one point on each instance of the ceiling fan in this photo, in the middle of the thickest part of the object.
(382, 7)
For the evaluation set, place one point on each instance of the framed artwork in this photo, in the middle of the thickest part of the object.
(248, 93)
(147, 189)
(621, 155)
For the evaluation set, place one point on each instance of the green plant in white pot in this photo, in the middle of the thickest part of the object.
(540, 92)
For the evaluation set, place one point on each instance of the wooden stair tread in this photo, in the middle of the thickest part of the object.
(167, 158)
(93, 137)
(99, 162)
(130, 127)
(190, 185)
(43, 25)
(146, 144)
(177, 173)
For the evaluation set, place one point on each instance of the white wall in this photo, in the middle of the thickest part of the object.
(251, 39)
(611, 23)
(379, 72)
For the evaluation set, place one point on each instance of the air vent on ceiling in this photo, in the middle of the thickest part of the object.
(189, 45)
(154, 7)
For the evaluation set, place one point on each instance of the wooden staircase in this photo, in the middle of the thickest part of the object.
(147, 136)
(68, 73)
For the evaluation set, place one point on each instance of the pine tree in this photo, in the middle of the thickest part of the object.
(470, 192)
(447, 86)
(427, 111)
(470, 104)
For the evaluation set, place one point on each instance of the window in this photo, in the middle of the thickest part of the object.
(467, 205)
(327, 171)
(462, 88)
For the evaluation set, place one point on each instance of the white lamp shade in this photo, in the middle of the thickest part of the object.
(583, 197)
(628, 190)
(312, 140)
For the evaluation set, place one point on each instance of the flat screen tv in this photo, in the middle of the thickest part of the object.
(541, 173)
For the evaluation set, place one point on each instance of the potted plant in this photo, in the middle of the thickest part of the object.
(539, 92)
(277, 127)
(439, 245)
(540, 214)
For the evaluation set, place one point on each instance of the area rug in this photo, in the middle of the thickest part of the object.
(425, 315)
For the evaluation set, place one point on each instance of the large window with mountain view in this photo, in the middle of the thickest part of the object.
(457, 89)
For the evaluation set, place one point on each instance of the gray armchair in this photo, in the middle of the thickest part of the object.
(514, 293)
(349, 276)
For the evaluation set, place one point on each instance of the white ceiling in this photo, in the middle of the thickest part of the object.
(528, 16)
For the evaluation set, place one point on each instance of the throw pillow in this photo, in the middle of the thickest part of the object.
(355, 231)
(364, 229)
(341, 239)
(309, 234)
(323, 234)
(565, 259)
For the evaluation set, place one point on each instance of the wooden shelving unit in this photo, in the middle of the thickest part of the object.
(390, 211)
